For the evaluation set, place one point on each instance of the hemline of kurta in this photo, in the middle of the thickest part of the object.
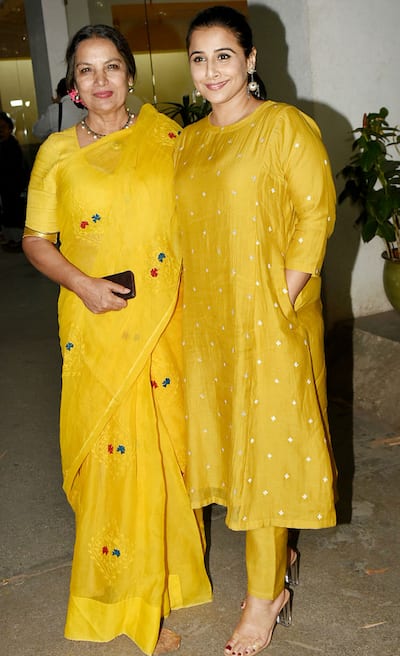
(138, 548)
(254, 198)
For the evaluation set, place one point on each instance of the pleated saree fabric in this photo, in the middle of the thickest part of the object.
(138, 550)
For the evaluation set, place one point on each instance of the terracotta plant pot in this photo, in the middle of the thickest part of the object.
(391, 280)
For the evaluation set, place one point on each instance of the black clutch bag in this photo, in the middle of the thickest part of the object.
(126, 279)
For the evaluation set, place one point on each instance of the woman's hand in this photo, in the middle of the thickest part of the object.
(295, 281)
(95, 293)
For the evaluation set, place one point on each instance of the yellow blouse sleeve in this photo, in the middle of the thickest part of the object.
(41, 214)
(307, 172)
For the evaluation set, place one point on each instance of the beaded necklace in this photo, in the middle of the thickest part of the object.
(97, 135)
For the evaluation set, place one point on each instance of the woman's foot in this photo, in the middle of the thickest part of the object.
(256, 626)
(167, 641)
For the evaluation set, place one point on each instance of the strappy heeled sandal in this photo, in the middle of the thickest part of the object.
(283, 617)
(293, 568)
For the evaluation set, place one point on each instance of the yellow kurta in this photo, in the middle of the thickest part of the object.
(254, 198)
(138, 550)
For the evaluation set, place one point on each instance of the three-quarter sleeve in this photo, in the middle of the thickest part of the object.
(41, 215)
(307, 171)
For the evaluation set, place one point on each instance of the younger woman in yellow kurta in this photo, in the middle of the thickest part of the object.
(254, 198)
(138, 550)
(256, 204)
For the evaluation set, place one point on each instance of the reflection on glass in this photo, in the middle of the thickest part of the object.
(155, 31)
(18, 97)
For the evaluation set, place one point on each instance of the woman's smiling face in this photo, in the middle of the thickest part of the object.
(218, 64)
(101, 75)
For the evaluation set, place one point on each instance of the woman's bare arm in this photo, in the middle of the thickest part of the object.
(95, 293)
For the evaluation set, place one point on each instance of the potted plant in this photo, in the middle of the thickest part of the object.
(373, 183)
(185, 112)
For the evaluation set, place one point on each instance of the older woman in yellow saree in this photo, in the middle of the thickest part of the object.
(106, 187)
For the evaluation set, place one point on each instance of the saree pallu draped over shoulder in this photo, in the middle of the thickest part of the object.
(138, 550)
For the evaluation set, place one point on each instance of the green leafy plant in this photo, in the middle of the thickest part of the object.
(373, 181)
(185, 112)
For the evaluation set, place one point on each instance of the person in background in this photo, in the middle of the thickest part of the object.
(13, 183)
(106, 188)
(256, 204)
(62, 113)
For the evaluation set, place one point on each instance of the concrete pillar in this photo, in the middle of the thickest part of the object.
(50, 24)
(77, 12)
(39, 53)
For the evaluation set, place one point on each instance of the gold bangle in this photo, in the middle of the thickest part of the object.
(49, 236)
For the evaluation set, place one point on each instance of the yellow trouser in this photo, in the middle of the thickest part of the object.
(266, 561)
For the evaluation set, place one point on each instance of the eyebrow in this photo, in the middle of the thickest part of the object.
(200, 52)
(108, 61)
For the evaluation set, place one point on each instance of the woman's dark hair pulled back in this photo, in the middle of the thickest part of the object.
(229, 19)
(99, 32)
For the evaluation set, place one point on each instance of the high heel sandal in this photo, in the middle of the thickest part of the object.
(293, 568)
(284, 618)
(285, 614)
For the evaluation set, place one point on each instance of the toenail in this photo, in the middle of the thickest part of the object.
(228, 648)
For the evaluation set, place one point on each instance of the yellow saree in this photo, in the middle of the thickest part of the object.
(138, 549)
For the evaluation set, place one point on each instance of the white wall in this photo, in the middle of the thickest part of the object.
(336, 60)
